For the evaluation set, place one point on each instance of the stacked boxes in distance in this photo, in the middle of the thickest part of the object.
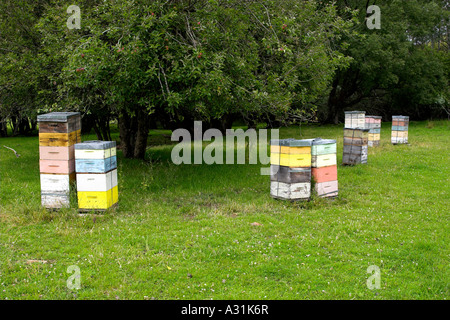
(58, 133)
(400, 126)
(373, 123)
(355, 119)
(355, 146)
(324, 167)
(96, 169)
(290, 168)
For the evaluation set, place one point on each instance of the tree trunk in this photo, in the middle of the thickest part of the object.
(133, 133)
(334, 104)
(87, 123)
(3, 128)
(143, 127)
(24, 126)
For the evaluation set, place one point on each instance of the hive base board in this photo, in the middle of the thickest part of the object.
(114, 206)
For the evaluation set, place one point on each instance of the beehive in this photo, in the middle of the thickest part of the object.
(96, 173)
(373, 123)
(355, 146)
(58, 133)
(290, 166)
(400, 126)
(355, 119)
(324, 167)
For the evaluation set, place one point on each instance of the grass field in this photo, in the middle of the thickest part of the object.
(185, 232)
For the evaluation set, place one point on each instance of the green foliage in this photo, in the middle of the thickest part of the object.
(205, 59)
(394, 69)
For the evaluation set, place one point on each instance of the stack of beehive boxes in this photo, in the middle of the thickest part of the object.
(355, 146)
(400, 126)
(373, 123)
(324, 167)
(96, 169)
(290, 166)
(58, 133)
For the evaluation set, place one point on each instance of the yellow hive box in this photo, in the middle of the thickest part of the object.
(59, 139)
(115, 194)
(98, 199)
(290, 150)
(374, 136)
(290, 160)
(400, 134)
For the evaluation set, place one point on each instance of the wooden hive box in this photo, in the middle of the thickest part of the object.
(324, 160)
(323, 146)
(400, 121)
(327, 188)
(355, 119)
(299, 153)
(374, 130)
(57, 153)
(399, 128)
(56, 166)
(359, 133)
(56, 183)
(324, 174)
(59, 139)
(55, 200)
(59, 122)
(290, 175)
(290, 191)
(354, 159)
(373, 122)
(374, 137)
(356, 141)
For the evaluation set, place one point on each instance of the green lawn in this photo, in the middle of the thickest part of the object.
(184, 232)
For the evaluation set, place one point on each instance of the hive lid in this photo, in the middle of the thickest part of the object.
(320, 141)
(360, 129)
(354, 112)
(94, 145)
(292, 142)
(400, 117)
(374, 117)
(57, 116)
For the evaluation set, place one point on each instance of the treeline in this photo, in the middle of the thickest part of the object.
(167, 63)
